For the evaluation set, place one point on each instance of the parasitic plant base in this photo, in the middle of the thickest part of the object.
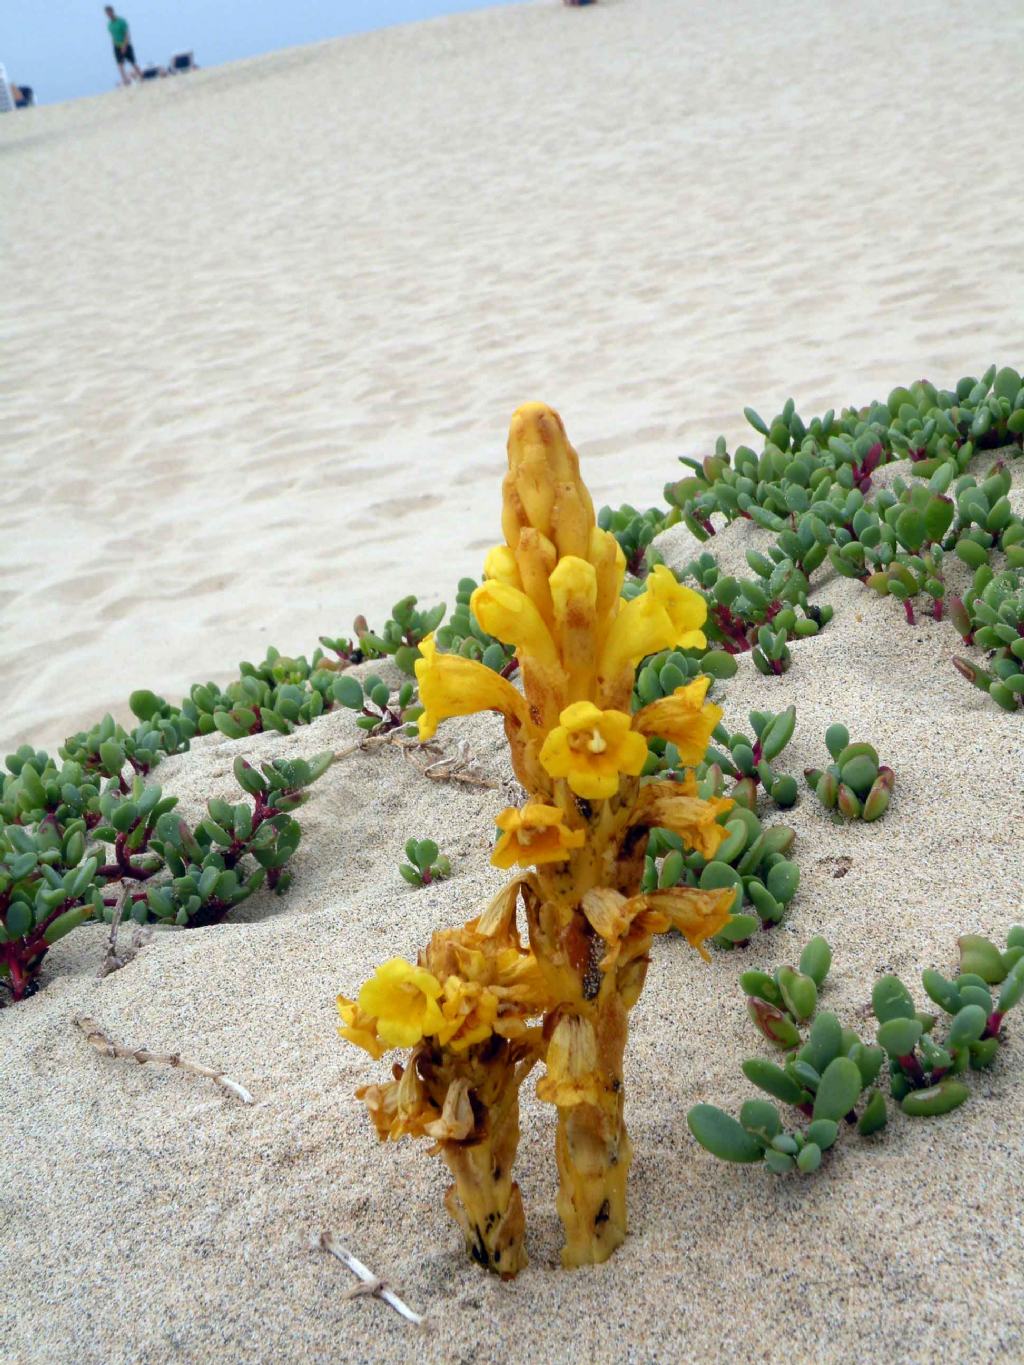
(471, 1007)
(485, 1200)
(592, 1147)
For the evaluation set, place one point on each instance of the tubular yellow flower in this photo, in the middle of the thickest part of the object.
(592, 748)
(515, 619)
(511, 617)
(641, 627)
(360, 1028)
(536, 558)
(501, 565)
(536, 834)
(574, 605)
(573, 1069)
(401, 1107)
(403, 1001)
(665, 616)
(453, 686)
(543, 488)
(684, 718)
(469, 1011)
(610, 565)
(686, 609)
(698, 915)
(675, 806)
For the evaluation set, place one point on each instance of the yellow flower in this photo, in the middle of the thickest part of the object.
(536, 834)
(684, 718)
(511, 617)
(501, 564)
(686, 609)
(401, 1107)
(574, 1074)
(573, 586)
(403, 1001)
(543, 490)
(469, 1011)
(591, 748)
(665, 616)
(453, 686)
(698, 915)
(676, 806)
(360, 1028)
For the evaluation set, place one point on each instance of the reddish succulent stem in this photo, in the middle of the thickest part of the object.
(908, 611)
(22, 956)
(732, 628)
(937, 609)
(123, 866)
(913, 1068)
(994, 1024)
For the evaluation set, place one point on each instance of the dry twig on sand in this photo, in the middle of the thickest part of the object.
(439, 766)
(370, 1284)
(106, 1045)
(113, 959)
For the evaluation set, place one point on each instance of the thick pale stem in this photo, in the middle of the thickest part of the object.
(485, 1200)
(593, 1150)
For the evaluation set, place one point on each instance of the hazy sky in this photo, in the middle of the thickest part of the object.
(61, 47)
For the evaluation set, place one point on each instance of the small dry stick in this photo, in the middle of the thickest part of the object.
(113, 959)
(440, 767)
(370, 1284)
(457, 767)
(103, 1043)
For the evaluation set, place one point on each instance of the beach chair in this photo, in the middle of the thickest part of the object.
(180, 63)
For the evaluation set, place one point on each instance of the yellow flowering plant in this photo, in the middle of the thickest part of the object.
(480, 1008)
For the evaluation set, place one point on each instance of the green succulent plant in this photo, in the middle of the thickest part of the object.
(224, 858)
(77, 842)
(926, 1071)
(425, 863)
(805, 464)
(831, 1077)
(634, 531)
(402, 633)
(107, 746)
(749, 760)
(991, 616)
(277, 694)
(855, 783)
(759, 614)
(380, 711)
(809, 487)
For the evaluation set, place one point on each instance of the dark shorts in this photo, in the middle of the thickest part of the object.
(125, 54)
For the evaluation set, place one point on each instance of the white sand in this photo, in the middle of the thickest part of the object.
(267, 322)
(257, 316)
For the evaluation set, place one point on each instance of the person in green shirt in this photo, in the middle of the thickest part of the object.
(124, 53)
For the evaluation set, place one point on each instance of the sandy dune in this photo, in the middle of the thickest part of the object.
(169, 1223)
(264, 328)
(267, 324)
